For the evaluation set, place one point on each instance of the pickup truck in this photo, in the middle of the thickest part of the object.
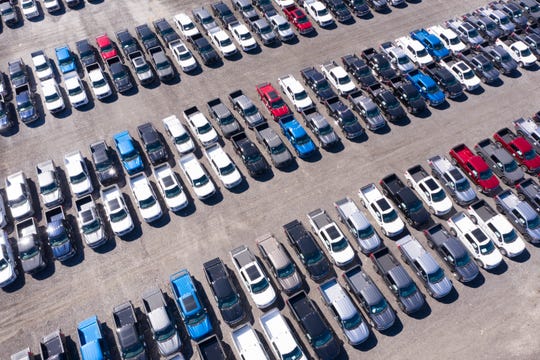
(170, 188)
(387, 102)
(359, 8)
(368, 110)
(298, 19)
(295, 92)
(163, 327)
(19, 197)
(253, 277)
(332, 239)
(49, 184)
(403, 197)
(444, 79)
(501, 20)
(243, 36)
(313, 324)
(466, 31)
(223, 117)
(249, 153)
(476, 168)
(408, 94)
(359, 70)
(527, 128)
(279, 335)
(520, 214)
(400, 284)
(142, 69)
(528, 190)
(65, 58)
(297, 136)
(518, 50)
(414, 50)
(338, 77)
(60, 234)
(131, 344)
(272, 101)
(358, 225)
(529, 38)
(475, 241)
(427, 87)
(116, 210)
(339, 10)
(90, 224)
(200, 126)
(497, 227)
(121, 78)
(245, 107)
(210, 348)
(448, 37)
(320, 127)
(432, 43)
(485, 26)
(145, 198)
(502, 163)
(207, 53)
(425, 267)
(53, 346)
(247, 344)
(318, 11)
(381, 315)
(93, 343)
(343, 117)
(77, 174)
(399, 61)
(30, 248)
(344, 311)
(481, 65)
(279, 154)
(223, 166)
(452, 179)
(498, 56)
(381, 210)
(522, 151)
(98, 82)
(452, 251)
(512, 10)
(429, 189)
(462, 72)
(316, 81)
(189, 305)
(164, 68)
(196, 175)
(25, 103)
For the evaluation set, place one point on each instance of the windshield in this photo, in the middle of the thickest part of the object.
(259, 286)
(529, 155)
(326, 130)
(403, 60)
(163, 65)
(438, 196)
(293, 355)
(372, 112)
(164, 334)
(322, 85)
(322, 12)
(184, 56)
(285, 271)
(278, 104)
(18, 201)
(473, 33)
(227, 301)
(107, 48)
(366, 232)
(509, 237)
(99, 83)
(92, 227)
(59, 239)
(487, 248)
(43, 66)
(422, 53)
(462, 185)
(454, 41)
(353, 322)
(104, 165)
(284, 27)
(313, 257)
(348, 118)
(200, 181)
(389, 216)
(130, 156)
(142, 68)
(468, 74)
(27, 5)
(245, 36)
(525, 52)
(504, 20)
(227, 120)
(181, 139)
(28, 254)
(300, 96)
(378, 307)
(75, 91)
(265, 30)
(490, 26)
(487, 66)
(323, 339)
(172, 192)
(344, 80)
(3, 264)
(146, 203)
(119, 75)
(304, 139)
(207, 20)
(188, 26)
(119, 215)
(436, 276)
(511, 166)
(254, 157)
(486, 174)
(49, 188)
(392, 103)
(78, 178)
(250, 111)
(438, 46)
(204, 129)
(133, 351)
(226, 170)
(7, 11)
(462, 261)
(155, 146)
(302, 20)
(408, 290)
(340, 245)
(533, 223)
(417, 206)
(197, 318)
(278, 149)
(433, 89)
(225, 42)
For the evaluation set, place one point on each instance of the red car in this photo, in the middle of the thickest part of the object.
(298, 18)
(273, 102)
(106, 47)
(520, 149)
(476, 168)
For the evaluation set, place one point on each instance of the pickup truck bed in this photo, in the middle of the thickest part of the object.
(211, 349)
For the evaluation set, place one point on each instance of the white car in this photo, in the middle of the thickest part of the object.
(99, 84)
(382, 211)
(3, 213)
(54, 102)
(279, 335)
(223, 166)
(247, 344)
(319, 12)
(200, 126)
(145, 198)
(242, 36)
(75, 89)
(414, 50)
(182, 55)
(42, 65)
(116, 210)
(170, 188)
(178, 135)
(448, 37)
(338, 77)
(77, 173)
(185, 25)
(51, 5)
(222, 41)
(295, 92)
(18, 196)
(429, 189)
(200, 182)
(29, 9)
(8, 266)
(49, 184)
(284, 3)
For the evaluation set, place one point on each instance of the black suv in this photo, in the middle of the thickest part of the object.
(147, 37)
(87, 53)
(127, 43)
(359, 70)
(106, 169)
(318, 83)
(165, 30)
(387, 102)
(223, 13)
(153, 145)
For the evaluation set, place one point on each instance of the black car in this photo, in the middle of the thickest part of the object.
(408, 95)
(153, 145)
(264, 5)
(205, 50)
(345, 118)
(147, 37)
(307, 250)
(127, 43)
(249, 153)
(359, 70)
(5, 89)
(225, 294)
(340, 11)
(106, 169)
(444, 79)
(223, 13)
(18, 74)
(121, 78)
(387, 102)
(87, 53)
(378, 5)
(379, 64)
(358, 7)
(165, 30)
(6, 117)
(318, 83)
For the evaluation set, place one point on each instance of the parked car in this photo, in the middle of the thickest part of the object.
(358, 225)
(131, 343)
(170, 188)
(77, 173)
(129, 155)
(106, 169)
(8, 270)
(117, 211)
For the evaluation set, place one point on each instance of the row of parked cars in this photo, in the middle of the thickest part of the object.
(477, 237)
(11, 15)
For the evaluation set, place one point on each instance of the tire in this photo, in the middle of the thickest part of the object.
(479, 263)
(409, 184)
(384, 232)
(474, 219)
(402, 307)
(363, 203)
(376, 269)
(504, 180)
(453, 161)
(521, 196)
(453, 232)
(430, 244)
(409, 221)
(503, 252)
(404, 259)
(385, 192)
(431, 210)
(528, 238)
(434, 174)
(500, 209)
(524, 168)
(498, 143)
(430, 293)
(521, 64)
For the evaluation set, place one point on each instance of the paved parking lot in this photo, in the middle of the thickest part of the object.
(494, 318)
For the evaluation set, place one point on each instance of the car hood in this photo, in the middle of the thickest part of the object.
(420, 103)
(329, 350)
(265, 298)
(232, 179)
(455, 89)
(533, 163)
(420, 217)
(157, 156)
(52, 197)
(352, 129)
(387, 74)
(34, 263)
(27, 114)
(7, 276)
(62, 250)
(509, 66)
(397, 112)
(395, 227)
(267, 37)
(442, 207)
(82, 188)
(441, 288)
(282, 158)
(319, 269)
(534, 233)
(122, 82)
(328, 139)
(342, 14)
(254, 120)
(4, 122)
(489, 184)
(152, 212)
(514, 176)
(468, 272)
(18, 212)
(134, 165)
(208, 137)
(376, 121)
(290, 283)
(233, 314)
(198, 331)
(279, 112)
(95, 237)
(108, 176)
(344, 256)
(413, 303)
(55, 105)
(358, 335)
(369, 244)
(492, 260)
(385, 319)
(257, 167)
(123, 225)
(169, 346)
(178, 202)
(306, 149)
(492, 74)
(230, 128)
(405, 68)
(514, 248)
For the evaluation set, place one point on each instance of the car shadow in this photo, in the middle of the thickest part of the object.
(264, 177)
(383, 130)
(516, 74)
(497, 83)
(255, 51)
(78, 243)
(521, 258)
(197, 71)
(336, 148)
(137, 229)
(214, 199)
(395, 329)
(402, 122)
(424, 114)
(316, 156)
(445, 105)
(72, 348)
(108, 334)
(478, 91)
(368, 344)
(41, 12)
(477, 282)
(499, 270)
(423, 313)
(18, 283)
(462, 98)
(237, 56)
(295, 40)
(242, 187)
(34, 195)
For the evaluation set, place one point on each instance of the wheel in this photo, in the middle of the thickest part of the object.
(404, 259)
(409, 184)
(384, 232)
(431, 210)
(479, 263)
(500, 208)
(409, 109)
(430, 244)
(524, 168)
(504, 180)
(402, 307)
(363, 203)
(521, 64)
(453, 232)
(503, 251)
(474, 219)
(430, 293)
(521, 196)
(385, 192)
(498, 143)
(409, 221)
(456, 275)
(376, 269)
(528, 238)
(434, 174)
(520, 133)
(453, 161)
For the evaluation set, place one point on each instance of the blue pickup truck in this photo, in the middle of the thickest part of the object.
(189, 305)
(427, 87)
(297, 136)
(431, 42)
(131, 159)
(65, 59)
(93, 344)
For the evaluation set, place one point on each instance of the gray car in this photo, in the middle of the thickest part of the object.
(279, 154)
(245, 8)
(203, 17)
(264, 31)
(162, 64)
(368, 110)
(224, 118)
(500, 161)
(245, 107)
(358, 225)
(320, 127)
(31, 254)
(9, 14)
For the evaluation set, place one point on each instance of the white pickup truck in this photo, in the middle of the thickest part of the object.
(338, 77)
(429, 190)
(200, 126)
(196, 175)
(116, 210)
(331, 237)
(497, 227)
(247, 343)
(295, 92)
(414, 50)
(54, 102)
(18, 196)
(382, 211)
(319, 12)
(448, 37)
(170, 188)
(242, 36)
(30, 248)
(518, 50)
(462, 72)
(42, 65)
(77, 173)
(475, 241)
(90, 224)
(49, 184)
(222, 41)
(99, 84)
(280, 337)
(145, 198)
(223, 166)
